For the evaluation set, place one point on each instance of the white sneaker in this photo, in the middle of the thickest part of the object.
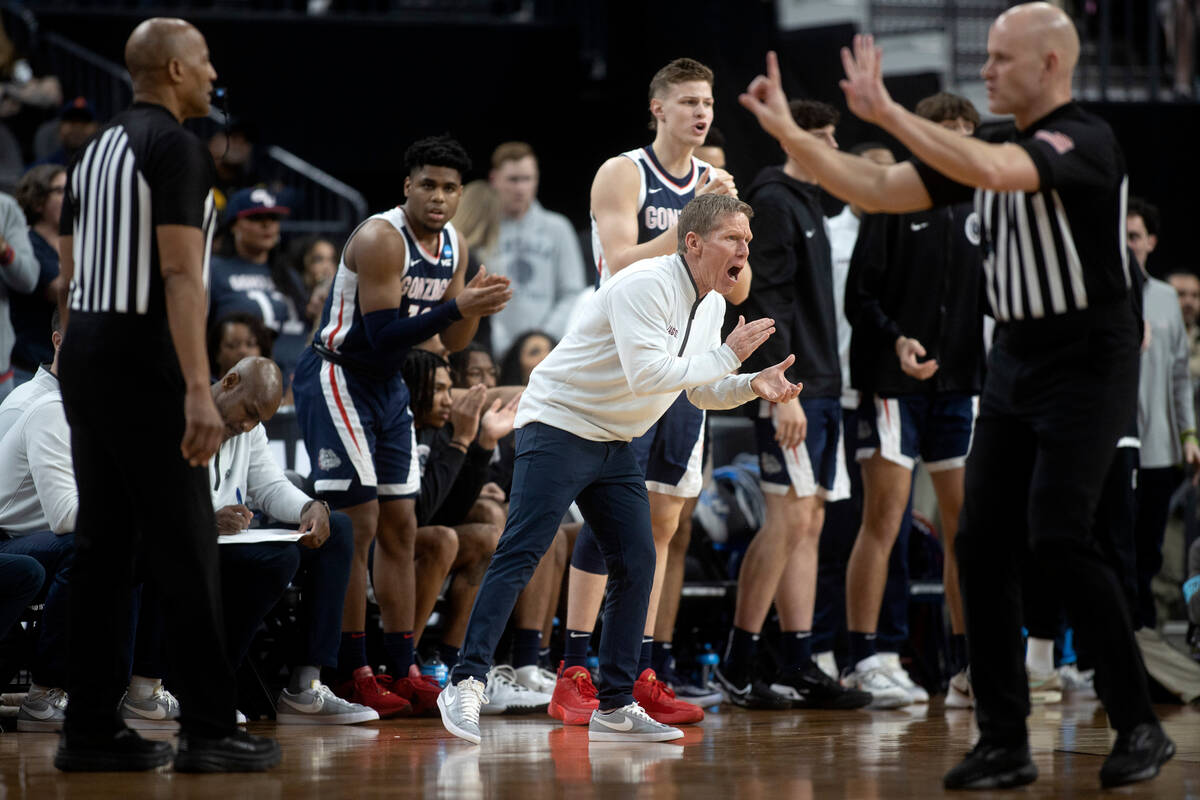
(318, 705)
(960, 694)
(239, 717)
(1076, 682)
(900, 676)
(506, 696)
(870, 675)
(43, 710)
(827, 663)
(459, 704)
(629, 723)
(1044, 689)
(538, 679)
(159, 711)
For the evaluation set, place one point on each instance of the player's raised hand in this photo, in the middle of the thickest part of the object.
(908, 351)
(484, 295)
(772, 383)
(765, 99)
(866, 95)
(716, 181)
(747, 336)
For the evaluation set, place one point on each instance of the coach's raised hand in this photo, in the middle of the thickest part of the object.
(772, 383)
(747, 336)
(765, 99)
(866, 95)
(484, 295)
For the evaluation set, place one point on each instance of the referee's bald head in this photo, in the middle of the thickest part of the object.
(155, 42)
(169, 64)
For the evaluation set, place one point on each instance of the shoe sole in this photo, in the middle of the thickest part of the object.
(216, 762)
(842, 702)
(106, 762)
(39, 726)
(570, 717)
(461, 733)
(1142, 775)
(142, 724)
(534, 709)
(1005, 780)
(880, 703)
(613, 736)
(954, 699)
(326, 719)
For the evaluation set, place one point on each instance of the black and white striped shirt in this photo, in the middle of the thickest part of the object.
(143, 170)
(1061, 249)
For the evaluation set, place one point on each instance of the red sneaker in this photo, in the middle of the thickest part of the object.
(659, 701)
(421, 691)
(365, 688)
(574, 697)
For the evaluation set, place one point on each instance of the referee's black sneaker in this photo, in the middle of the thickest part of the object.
(991, 766)
(1136, 755)
(750, 692)
(237, 752)
(809, 687)
(122, 751)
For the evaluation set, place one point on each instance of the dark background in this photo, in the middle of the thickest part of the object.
(350, 94)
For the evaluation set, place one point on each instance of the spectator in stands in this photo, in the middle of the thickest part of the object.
(314, 258)
(37, 518)
(1187, 286)
(1166, 415)
(18, 273)
(478, 220)
(40, 194)
(75, 125)
(529, 349)
(252, 277)
(235, 336)
(538, 250)
(26, 98)
(232, 150)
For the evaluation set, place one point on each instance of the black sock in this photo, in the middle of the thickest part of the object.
(447, 654)
(661, 658)
(862, 646)
(647, 653)
(399, 648)
(958, 652)
(797, 649)
(575, 648)
(525, 647)
(739, 655)
(352, 652)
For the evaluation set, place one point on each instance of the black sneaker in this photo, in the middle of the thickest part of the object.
(1136, 755)
(809, 687)
(990, 766)
(123, 751)
(237, 752)
(754, 694)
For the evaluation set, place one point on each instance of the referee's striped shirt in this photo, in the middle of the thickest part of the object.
(1061, 249)
(143, 170)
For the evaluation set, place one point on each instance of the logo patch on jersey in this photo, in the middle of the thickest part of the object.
(327, 459)
(973, 228)
(1059, 141)
(671, 329)
(918, 226)
(770, 464)
(659, 218)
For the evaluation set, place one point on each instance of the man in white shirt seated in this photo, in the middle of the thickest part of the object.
(38, 502)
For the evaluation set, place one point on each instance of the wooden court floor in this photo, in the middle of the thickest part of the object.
(879, 755)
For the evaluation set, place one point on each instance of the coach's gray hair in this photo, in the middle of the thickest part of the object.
(704, 213)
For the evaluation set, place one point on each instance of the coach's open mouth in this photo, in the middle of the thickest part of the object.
(733, 271)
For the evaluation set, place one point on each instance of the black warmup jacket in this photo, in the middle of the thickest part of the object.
(793, 282)
(916, 275)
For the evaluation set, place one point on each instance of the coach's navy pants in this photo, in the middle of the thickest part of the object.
(553, 468)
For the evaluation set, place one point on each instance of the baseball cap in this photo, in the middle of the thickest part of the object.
(78, 110)
(249, 202)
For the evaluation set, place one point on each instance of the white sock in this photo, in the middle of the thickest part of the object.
(1039, 655)
(142, 688)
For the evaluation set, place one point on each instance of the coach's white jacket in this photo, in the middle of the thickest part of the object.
(637, 342)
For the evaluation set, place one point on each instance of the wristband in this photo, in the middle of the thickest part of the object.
(1189, 436)
(1190, 587)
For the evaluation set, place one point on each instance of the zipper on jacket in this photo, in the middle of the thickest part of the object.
(692, 314)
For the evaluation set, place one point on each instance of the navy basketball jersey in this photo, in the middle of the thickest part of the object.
(426, 278)
(661, 196)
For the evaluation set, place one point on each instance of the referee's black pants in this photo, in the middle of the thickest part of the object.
(1059, 394)
(144, 514)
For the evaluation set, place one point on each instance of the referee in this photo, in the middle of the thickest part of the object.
(137, 222)
(1062, 375)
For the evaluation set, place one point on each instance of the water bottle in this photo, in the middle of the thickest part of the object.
(435, 669)
(593, 666)
(707, 660)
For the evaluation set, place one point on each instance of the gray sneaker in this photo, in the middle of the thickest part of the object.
(459, 704)
(629, 724)
(317, 705)
(159, 711)
(42, 711)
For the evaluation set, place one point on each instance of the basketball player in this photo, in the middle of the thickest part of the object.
(400, 282)
(635, 201)
(1062, 371)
